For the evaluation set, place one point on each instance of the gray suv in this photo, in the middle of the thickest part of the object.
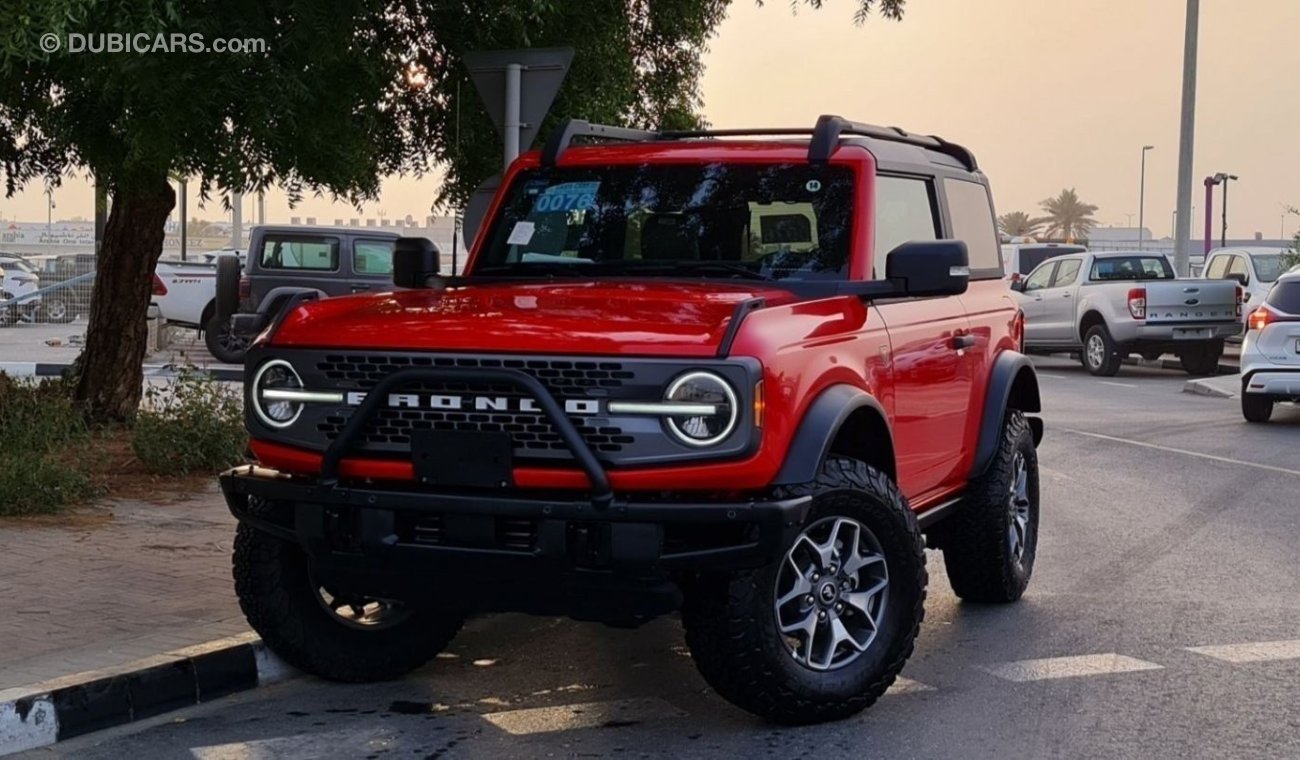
(286, 261)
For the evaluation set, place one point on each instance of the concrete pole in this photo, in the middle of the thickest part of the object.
(1186, 139)
(261, 208)
(1209, 213)
(1142, 195)
(1223, 239)
(236, 219)
(101, 214)
(182, 190)
(510, 122)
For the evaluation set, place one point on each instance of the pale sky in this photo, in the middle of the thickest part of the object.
(1047, 93)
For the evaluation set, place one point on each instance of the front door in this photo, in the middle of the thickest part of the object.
(372, 265)
(1033, 305)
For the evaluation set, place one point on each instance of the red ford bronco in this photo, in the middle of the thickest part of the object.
(747, 375)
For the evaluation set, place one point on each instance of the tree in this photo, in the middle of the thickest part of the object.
(1068, 218)
(338, 94)
(1019, 224)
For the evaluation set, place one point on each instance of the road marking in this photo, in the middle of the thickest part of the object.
(1260, 651)
(1172, 450)
(908, 686)
(1120, 385)
(1054, 377)
(541, 720)
(1021, 671)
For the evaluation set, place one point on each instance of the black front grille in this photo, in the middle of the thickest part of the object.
(533, 435)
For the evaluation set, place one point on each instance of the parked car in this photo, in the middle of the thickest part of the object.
(621, 410)
(288, 260)
(21, 283)
(61, 305)
(1108, 305)
(1019, 259)
(1270, 353)
(1255, 268)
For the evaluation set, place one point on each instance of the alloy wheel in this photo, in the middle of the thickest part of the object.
(831, 592)
(1018, 507)
(362, 612)
(1096, 351)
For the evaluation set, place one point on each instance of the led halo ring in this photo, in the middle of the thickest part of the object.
(671, 422)
(257, 394)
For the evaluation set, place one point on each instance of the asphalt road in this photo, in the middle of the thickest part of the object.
(1163, 621)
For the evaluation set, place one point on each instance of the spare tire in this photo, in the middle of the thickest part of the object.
(228, 273)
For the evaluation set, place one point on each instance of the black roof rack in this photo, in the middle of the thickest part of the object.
(824, 137)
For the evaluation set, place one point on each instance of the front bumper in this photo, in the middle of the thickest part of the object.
(519, 548)
(1280, 383)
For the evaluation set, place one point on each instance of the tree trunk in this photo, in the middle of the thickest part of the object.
(110, 375)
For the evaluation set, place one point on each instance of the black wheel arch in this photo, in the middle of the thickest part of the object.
(845, 420)
(1013, 384)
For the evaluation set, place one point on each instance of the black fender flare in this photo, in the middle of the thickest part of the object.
(817, 430)
(1008, 367)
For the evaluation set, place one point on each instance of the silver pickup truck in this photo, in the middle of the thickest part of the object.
(1105, 306)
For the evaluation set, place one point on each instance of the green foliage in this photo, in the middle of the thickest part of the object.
(191, 424)
(1019, 224)
(40, 431)
(1068, 218)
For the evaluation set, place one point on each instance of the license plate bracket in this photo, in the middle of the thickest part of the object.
(463, 458)
(1192, 333)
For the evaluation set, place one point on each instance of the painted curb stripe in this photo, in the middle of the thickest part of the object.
(42, 714)
(40, 369)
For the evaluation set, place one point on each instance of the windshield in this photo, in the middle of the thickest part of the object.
(1132, 268)
(1030, 258)
(1270, 266)
(768, 222)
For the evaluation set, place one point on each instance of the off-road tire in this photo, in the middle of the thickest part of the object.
(213, 334)
(275, 592)
(1202, 359)
(1110, 361)
(1256, 408)
(731, 626)
(976, 551)
(57, 310)
(227, 295)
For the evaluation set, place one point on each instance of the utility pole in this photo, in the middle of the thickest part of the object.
(1142, 195)
(185, 221)
(236, 219)
(1186, 138)
(1223, 235)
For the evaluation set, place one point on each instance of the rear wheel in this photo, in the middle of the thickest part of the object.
(824, 630)
(1256, 408)
(223, 342)
(335, 636)
(990, 545)
(1202, 359)
(227, 297)
(1100, 354)
(57, 310)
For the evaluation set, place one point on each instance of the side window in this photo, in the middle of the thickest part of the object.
(372, 257)
(1041, 277)
(1067, 271)
(972, 221)
(905, 211)
(294, 252)
(1238, 265)
(1218, 268)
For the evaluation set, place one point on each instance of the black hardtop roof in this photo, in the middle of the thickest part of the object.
(302, 229)
(888, 144)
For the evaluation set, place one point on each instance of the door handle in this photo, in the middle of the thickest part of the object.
(962, 342)
(360, 288)
(1065, 295)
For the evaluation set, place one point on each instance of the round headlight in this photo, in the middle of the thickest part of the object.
(276, 374)
(708, 389)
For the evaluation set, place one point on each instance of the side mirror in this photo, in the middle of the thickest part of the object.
(1242, 278)
(415, 262)
(930, 268)
(1018, 286)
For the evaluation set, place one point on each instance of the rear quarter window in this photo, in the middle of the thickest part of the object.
(1285, 297)
(972, 222)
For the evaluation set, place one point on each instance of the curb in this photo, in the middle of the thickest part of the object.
(45, 713)
(1224, 368)
(1206, 387)
(43, 369)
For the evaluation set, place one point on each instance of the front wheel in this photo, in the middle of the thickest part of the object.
(57, 310)
(335, 636)
(821, 632)
(1100, 354)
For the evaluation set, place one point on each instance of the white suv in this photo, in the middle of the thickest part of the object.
(1270, 355)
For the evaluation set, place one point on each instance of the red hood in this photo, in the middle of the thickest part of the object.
(646, 318)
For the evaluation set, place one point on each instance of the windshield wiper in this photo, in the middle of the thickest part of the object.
(576, 269)
(723, 267)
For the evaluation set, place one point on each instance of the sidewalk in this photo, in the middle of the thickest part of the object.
(103, 586)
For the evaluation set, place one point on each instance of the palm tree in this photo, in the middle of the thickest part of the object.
(1019, 224)
(1068, 217)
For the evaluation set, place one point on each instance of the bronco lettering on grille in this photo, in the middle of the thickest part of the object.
(452, 403)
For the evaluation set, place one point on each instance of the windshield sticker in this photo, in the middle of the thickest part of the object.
(568, 196)
(522, 234)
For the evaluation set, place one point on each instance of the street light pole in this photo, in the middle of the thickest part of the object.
(1223, 235)
(1142, 195)
(1186, 138)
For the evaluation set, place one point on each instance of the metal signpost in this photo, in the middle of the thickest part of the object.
(518, 88)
